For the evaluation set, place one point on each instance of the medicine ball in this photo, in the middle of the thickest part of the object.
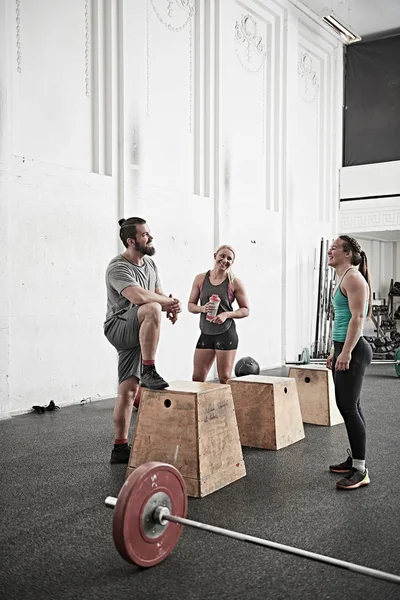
(247, 366)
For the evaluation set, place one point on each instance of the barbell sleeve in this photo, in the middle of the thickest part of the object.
(111, 502)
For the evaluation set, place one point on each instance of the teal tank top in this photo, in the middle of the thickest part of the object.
(342, 314)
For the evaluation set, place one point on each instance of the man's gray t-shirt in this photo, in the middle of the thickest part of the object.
(120, 274)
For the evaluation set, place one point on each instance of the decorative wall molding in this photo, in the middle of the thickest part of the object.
(18, 33)
(322, 94)
(324, 50)
(248, 42)
(308, 79)
(353, 220)
(174, 20)
(206, 99)
(190, 74)
(251, 52)
(105, 86)
(260, 45)
(147, 58)
(313, 83)
(174, 15)
(96, 86)
(371, 221)
(87, 48)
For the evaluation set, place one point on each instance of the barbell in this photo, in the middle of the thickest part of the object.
(150, 512)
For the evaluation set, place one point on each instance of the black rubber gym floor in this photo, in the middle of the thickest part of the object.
(56, 534)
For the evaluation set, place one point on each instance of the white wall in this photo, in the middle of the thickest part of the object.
(218, 125)
(368, 181)
(378, 218)
(381, 263)
(55, 214)
(313, 150)
(255, 138)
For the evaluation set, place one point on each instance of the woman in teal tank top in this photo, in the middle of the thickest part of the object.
(351, 354)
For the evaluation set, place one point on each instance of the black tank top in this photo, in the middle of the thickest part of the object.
(222, 290)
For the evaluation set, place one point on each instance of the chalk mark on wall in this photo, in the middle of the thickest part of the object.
(135, 146)
(134, 156)
(179, 14)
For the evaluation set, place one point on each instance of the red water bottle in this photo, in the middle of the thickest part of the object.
(215, 299)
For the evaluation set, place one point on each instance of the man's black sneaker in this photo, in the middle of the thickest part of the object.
(344, 467)
(354, 480)
(152, 380)
(120, 454)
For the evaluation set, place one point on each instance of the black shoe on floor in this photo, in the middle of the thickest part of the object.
(152, 380)
(51, 406)
(344, 467)
(120, 454)
(354, 480)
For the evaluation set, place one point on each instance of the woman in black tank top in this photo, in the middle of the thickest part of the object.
(218, 339)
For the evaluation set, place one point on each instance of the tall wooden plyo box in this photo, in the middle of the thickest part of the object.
(267, 411)
(192, 426)
(317, 394)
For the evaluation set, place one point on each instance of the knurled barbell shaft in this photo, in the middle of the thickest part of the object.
(322, 361)
(283, 548)
(165, 516)
(373, 362)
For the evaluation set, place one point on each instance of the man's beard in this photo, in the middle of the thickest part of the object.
(149, 250)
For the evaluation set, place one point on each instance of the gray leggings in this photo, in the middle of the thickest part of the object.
(348, 386)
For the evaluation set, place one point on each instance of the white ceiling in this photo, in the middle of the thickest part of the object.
(383, 236)
(365, 17)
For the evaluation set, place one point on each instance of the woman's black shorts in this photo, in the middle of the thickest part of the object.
(228, 340)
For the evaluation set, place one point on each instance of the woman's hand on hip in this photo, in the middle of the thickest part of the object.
(343, 361)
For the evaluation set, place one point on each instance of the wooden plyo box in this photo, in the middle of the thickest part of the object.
(267, 411)
(192, 426)
(317, 394)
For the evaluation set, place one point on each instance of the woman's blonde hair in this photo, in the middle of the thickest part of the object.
(231, 275)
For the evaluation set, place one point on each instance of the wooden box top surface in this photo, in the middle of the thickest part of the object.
(261, 379)
(310, 367)
(192, 387)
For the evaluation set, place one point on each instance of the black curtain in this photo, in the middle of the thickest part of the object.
(372, 102)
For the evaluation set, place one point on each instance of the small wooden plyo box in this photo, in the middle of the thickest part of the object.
(317, 394)
(192, 426)
(267, 411)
